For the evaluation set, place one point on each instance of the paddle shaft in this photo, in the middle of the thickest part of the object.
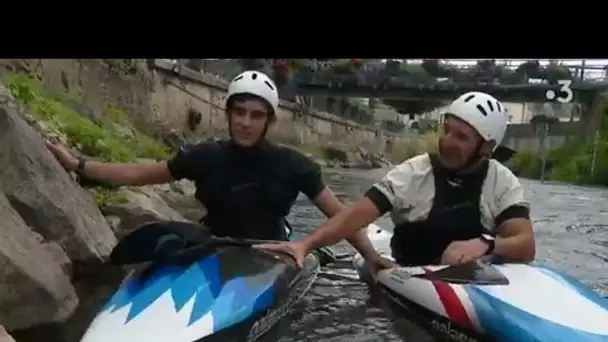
(325, 255)
(240, 242)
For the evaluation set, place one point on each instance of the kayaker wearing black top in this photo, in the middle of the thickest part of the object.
(247, 184)
(448, 208)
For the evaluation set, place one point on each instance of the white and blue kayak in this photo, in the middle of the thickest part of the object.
(221, 292)
(479, 301)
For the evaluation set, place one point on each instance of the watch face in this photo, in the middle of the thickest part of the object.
(487, 237)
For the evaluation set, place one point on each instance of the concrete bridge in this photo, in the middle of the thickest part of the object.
(412, 94)
(410, 97)
(402, 88)
(192, 91)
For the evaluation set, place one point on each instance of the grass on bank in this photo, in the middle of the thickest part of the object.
(571, 163)
(112, 139)
(414, 145)
(406, 148)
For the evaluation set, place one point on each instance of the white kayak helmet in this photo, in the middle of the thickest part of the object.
(483, 112)
(255, 83)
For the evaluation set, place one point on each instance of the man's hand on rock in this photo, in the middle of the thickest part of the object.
(63, 155)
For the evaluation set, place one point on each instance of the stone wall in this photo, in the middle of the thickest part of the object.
(156, 97)
(179, 91)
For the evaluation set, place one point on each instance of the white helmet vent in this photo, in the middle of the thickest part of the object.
(482, 110)
(255, 83)
(254, 76)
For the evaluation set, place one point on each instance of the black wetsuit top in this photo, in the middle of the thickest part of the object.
(247, 192)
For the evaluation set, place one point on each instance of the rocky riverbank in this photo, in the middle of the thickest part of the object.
(349, 158)
(56, 232)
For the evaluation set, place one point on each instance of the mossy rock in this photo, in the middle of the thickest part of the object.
(103, 141)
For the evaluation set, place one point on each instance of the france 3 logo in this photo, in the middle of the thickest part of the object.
(563, 95)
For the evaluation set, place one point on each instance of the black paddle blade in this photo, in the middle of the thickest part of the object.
(472, 272)
(153, 241)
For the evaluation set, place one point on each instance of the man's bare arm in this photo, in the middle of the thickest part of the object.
(330, 205)
(344, 224)
(128, 174)
(113, 173)
(516, 240)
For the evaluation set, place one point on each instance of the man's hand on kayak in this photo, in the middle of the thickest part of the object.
(297, 250)
(459, 252)
(378, 264)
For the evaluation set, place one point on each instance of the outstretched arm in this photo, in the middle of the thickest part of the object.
(377, 200)
(330, 205)
(128, 174)
(113, 173)
(312, 185)
(344, 224)
(183, 165)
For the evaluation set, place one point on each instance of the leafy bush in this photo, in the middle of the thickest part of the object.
(415, 145)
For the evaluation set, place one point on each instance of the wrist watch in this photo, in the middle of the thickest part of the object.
(490, 241)
(80, 166)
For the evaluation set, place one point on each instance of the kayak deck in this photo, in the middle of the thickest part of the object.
(531, 303)
(232, 288)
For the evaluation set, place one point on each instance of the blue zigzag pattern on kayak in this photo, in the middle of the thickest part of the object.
(510, 323)
(229, 303)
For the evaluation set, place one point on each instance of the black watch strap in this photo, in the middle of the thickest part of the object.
(491, 244)
(80, 167)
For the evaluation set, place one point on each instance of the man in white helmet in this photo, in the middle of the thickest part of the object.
(448, 208)
(247, 184)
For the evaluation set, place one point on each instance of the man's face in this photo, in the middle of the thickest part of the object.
(249, 119)
(457, 143)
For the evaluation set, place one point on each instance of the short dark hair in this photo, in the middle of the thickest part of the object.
(242, 97)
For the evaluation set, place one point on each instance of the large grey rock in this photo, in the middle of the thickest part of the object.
(43, 193)
(59, 256)
(142, 205)
(33, 287)
(180, 196)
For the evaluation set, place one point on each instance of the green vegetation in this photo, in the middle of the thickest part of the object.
(112, 139)
(361, 113)
(571, 163)
(393, 126)
(314, 151)
(105, 197)
(415, 145)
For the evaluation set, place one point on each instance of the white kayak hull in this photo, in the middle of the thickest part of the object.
(224, 293)
(539, 303)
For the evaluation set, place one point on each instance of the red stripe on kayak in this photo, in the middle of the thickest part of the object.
(451, 303)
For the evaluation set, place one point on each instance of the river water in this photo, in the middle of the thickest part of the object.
(571, 226)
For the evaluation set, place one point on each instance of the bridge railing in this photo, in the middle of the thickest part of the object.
(229, 68)
(380, 78)
(313, 73)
